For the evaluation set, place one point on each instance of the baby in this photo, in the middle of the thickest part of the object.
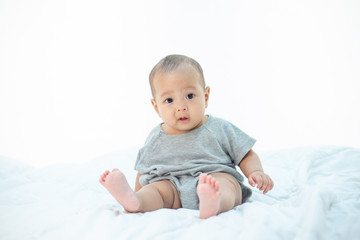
(190, 159)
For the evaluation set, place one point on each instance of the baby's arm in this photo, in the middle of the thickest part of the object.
(137, 183)
(251, 166)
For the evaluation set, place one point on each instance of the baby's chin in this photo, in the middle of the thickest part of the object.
(177, 129)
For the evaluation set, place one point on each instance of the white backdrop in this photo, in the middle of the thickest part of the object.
(74, 73)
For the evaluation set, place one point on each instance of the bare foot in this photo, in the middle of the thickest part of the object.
(209, 196)
(116, 183)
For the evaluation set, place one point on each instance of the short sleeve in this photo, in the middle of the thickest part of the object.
(236, 142)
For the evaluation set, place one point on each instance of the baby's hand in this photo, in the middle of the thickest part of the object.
(261, 180)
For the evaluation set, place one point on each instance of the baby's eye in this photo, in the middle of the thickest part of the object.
(190, 96)
(169, 100)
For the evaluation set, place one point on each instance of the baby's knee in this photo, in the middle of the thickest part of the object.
(169, 193)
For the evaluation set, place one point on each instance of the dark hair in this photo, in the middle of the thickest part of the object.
(171, 63)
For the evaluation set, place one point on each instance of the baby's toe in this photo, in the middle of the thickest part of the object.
(216, 186)
(210, 180)
(202, 178)
(104, 175)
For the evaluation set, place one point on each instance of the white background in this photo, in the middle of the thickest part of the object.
(74, 73)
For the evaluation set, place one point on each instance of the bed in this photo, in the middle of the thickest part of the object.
(316, 196)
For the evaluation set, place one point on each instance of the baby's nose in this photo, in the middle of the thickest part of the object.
(181, 108)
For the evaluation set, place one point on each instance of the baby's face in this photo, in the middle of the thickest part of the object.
(180, 100)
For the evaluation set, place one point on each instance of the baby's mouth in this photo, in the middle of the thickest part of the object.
(183, 119)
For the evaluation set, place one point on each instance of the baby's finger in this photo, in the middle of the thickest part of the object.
(259, 181)
(266, 189)
(272, 184)
(265, 184)
(269, 187)
(251, 182)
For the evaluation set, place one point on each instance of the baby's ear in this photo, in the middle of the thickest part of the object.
(153, 102)
(207, 95)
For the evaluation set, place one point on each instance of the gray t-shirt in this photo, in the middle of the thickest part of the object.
(216, 146)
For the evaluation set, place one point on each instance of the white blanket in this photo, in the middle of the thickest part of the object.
(316, 196)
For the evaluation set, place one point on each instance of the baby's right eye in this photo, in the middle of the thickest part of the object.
(169, 100)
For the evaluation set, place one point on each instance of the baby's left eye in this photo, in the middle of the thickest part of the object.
(190, 96)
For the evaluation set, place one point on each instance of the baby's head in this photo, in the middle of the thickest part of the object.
(173, 63)
(179, 93)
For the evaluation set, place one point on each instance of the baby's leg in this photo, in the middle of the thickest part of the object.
(218, 192)
(154, 196)
(161, 194)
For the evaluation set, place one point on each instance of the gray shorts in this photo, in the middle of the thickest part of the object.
(187, 185)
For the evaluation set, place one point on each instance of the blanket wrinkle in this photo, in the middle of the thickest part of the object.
(316, 196)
